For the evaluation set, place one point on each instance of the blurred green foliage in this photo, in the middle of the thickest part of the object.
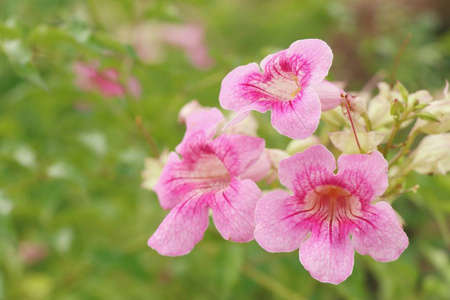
(74, 221)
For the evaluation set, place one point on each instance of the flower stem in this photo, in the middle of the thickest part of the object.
(147, 136)
(397, 57)
(391, 138)
(405, 149)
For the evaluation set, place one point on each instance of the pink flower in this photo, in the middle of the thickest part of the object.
(89, 78)
(291, 85)
(207, 177)
(151, 38)
(326, 209)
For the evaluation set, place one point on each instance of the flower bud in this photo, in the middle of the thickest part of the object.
(296, 146)
(397, 109)
(248, 126)
(432, 156)
(188, 109)
(441, 111)
(153, 169)
(357, 105)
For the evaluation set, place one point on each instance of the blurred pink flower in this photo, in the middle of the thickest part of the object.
(90, 78)
(291, 85)
(207, 177)
(150, 38)
(31, 253)
(326, 209)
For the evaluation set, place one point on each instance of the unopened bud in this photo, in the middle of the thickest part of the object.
(300, 145)
(397, 109)
(153, 169)
(432, 156)
(435, 118)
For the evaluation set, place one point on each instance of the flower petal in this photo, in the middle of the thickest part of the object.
(310, 59)
(278, 216)
(234, 210)
(201, 172)
(298, 118)
(237, 152)
(307, 170)
(237, 91)
(170, 192)
(182, 228)
(364, 175)
(329, 94)
(380, 234)
(259, 169)
(201, 126)
(328, 254)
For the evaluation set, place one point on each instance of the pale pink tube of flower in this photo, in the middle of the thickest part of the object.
(291, 85)
(208, 176)
(326, 209)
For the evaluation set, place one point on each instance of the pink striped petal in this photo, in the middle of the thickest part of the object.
(182, 228)
(201, 126)
(310, 59)
(259, 169)
(234, 209)
(237, 152)
(364, 175)
(167, 187)
(328, 254)
(298, 118)
(380, 234)
(307, 170)
(329, 94)
(278, 222)
(237, 90)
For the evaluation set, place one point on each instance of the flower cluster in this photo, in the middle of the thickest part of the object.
(327, 214)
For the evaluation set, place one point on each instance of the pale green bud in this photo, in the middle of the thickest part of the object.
(432, 156)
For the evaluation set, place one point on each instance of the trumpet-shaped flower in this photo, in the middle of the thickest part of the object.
(291, 85)
(326, 209)
(207, 177)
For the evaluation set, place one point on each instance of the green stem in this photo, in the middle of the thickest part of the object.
(405, 149)
(391, 138)
(397, 57)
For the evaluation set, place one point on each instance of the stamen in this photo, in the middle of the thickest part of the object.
(344, 97)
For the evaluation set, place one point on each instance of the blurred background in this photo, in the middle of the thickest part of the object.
(75, 75)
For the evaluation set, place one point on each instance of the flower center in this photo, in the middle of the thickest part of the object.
(284, 87)
(211, 173)
(331, 203)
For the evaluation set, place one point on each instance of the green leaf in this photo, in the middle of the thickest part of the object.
(420, 106)
(20, 58)
(403, 91)
(427, 116)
